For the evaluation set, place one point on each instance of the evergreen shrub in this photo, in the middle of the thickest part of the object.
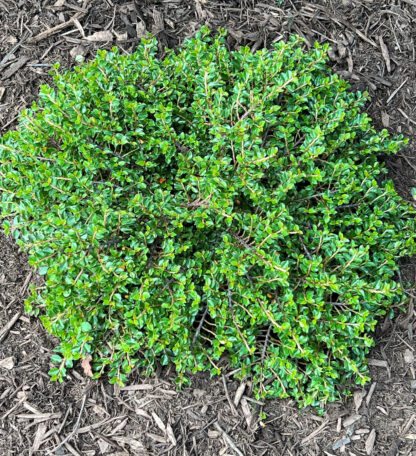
(210, 209)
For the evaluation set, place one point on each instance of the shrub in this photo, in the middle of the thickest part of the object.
(212, 203)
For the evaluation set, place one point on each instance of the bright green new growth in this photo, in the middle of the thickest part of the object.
(213, 203)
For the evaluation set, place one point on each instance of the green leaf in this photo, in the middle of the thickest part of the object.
(85, 326)
(43, 270)
(56, 359)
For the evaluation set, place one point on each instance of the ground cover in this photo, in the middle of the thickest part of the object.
(373, 47)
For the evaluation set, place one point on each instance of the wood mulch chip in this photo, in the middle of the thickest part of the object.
(373, 46)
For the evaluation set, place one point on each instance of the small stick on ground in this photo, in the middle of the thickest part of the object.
(14, 49)
(75, 429)
(63, 421)
(9, 326)
(228, 439)
(408, 424)
(45, 34)
(396, 91)
(370, 393)
(406, 116)
(385, 53)
(25, 285)
(227, 395)
(315, 432)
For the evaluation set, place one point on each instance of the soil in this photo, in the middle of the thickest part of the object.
(373, 46)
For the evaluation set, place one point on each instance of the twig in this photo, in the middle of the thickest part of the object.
(408, 424)
(21, 62)
(198, 431)
(79, 27)
(395, 92)
(227, 395)
(45, 159)
(385, 53)
(406, 116)
(406, 343)
(252, 250)
(196, 203)
(25, 285)
(9, 326)
(317, 195)
(198, 330)
(347, 206)
(14, 49)
(249, 279)
(315, 432)
(90, 427)
(370, 393)
(3, 127)
(254, 401)
(228, 439)
(305, 248)
(165, 286)
(45, 34)
(9, 397)
(76, 427)
(337, 303)
(230, 306)
(266, 341)
(409, 162)
(63, 421)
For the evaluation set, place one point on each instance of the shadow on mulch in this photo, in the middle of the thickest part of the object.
(373, 47)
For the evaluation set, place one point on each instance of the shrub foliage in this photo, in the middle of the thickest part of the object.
(211, 203)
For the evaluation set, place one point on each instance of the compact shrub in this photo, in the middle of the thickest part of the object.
(211, 203)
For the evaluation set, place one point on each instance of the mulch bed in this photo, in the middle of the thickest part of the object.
(373, 46)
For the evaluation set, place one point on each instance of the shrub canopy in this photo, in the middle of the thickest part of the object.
(211, 203)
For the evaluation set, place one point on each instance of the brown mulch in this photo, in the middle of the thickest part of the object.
(373, 46)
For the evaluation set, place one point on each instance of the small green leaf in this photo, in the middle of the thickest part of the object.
(43, 270)
(85, 326)
(56, 359)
